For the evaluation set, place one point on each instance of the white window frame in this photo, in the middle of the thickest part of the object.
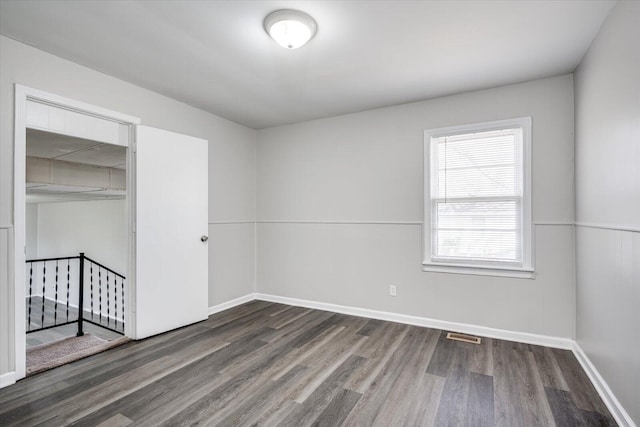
(526, 270)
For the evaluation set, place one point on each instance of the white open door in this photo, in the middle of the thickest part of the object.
(171, 226)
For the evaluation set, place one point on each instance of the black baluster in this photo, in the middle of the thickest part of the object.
(30, 292)
(44, 281)
(122, 283)
(55, 302)
(100, 293)
(108, 298)
(68, 284)
(91, 277)
(80, 296)
(115, 303)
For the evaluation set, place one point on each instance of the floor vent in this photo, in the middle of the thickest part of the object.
(464, 338)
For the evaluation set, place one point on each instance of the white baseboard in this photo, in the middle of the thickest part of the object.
(548, 341)
(232, 303)
(7, 379)
(617, 410)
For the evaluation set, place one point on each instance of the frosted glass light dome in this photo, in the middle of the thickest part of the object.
(290, 28)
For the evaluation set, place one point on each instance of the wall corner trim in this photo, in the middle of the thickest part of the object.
(7, 379)
(231, 303)
(613, 404)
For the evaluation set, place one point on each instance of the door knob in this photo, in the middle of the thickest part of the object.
(204, 238)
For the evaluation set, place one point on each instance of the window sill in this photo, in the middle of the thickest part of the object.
(518, 273)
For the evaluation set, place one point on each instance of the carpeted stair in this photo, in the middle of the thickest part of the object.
(51, 355)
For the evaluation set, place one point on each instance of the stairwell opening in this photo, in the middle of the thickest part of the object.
(76, 248)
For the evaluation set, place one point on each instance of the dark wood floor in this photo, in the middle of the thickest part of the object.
(272, 364)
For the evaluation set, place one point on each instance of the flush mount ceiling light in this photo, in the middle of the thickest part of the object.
(290, 28)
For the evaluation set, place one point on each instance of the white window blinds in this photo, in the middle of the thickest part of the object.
(477, 197)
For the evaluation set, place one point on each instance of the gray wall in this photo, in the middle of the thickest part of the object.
(31, 231)
(231, 167)
(98, 228)
(340, 211)
(607, 90)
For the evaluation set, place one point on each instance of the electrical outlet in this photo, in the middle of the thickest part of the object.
(393, 290)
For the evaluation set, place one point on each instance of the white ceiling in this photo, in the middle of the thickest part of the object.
(216, 56)
(48, 145)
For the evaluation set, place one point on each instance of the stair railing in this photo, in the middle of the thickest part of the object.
(57, 294)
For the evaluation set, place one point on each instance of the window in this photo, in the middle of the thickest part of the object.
(478, 199)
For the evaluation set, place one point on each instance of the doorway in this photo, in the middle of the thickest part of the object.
(47, 129)
(75, 221)
(166, 204)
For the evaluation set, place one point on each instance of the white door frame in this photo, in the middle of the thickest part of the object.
(22, 95)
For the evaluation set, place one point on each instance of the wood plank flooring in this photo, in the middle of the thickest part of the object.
(271, 364)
